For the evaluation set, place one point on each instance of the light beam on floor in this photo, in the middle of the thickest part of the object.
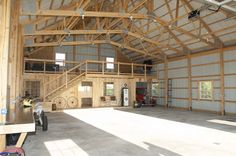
(171, 135)
(64, 147)
(223, 122)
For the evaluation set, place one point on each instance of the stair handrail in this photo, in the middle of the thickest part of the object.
(66, 72)
(62, 75)
(63, 85)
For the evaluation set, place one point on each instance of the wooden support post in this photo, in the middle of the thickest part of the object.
(24, 65)
(44, 92)
(102, 67)
(118, 72)
(86, 67)
(67, 78)
(145, 71)
(5, 16)
(166, 80)
(13, 51)
(189, 83)
(158, 81)
(132, 69)
(222, 81)
(74, 49)
(44, 67)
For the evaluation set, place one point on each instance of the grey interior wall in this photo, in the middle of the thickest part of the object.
(205, 67)
(86, 52)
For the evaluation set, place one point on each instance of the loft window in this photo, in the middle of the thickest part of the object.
(108, 89)
(155, 89)
(110, 63)
(60, 58)
(205, 90)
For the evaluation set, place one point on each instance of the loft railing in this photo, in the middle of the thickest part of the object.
(76, 70)
(92, 66)
(47, 66)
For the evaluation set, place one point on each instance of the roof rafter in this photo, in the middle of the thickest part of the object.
(216, 39)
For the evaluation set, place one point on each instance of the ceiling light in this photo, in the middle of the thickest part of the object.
(131, 18)
(82, 16)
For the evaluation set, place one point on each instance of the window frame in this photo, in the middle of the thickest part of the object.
(158, 85)
(33, 87)
(108, 63)
(200, 90)
(60, 62)
(105, 88)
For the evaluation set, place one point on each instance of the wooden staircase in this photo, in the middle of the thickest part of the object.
(59, 84)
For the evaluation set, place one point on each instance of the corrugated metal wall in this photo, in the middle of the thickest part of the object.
(203, 68)
(87, 52)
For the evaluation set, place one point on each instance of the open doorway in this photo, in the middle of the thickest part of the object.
(146, 93)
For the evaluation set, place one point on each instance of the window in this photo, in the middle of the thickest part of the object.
(85, 86)
(109, 89)
(205, 90)
(155, 89)
(60, 58)
(32, 89)
(110, 65)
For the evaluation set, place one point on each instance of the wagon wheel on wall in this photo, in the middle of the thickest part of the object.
(60, 102)
(72, 102)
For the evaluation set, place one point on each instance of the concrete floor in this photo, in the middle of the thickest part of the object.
(134, 132)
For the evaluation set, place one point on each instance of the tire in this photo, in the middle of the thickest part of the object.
(45, 123)
(42, 114)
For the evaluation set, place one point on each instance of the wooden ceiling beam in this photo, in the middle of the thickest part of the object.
(133, 49)
(71, 43)
(73, 32)
(152, 41)
(69, 13)
(70, 6)
(205, 25)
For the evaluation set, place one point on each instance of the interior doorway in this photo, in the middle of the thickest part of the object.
(86, 94)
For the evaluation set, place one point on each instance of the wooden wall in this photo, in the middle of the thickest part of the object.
(122, 58)
(44, 53)
(96, 92)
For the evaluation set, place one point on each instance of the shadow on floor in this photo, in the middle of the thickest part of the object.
(194, 118)
(89, 139)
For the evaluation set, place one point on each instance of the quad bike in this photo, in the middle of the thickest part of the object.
(39, 115)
